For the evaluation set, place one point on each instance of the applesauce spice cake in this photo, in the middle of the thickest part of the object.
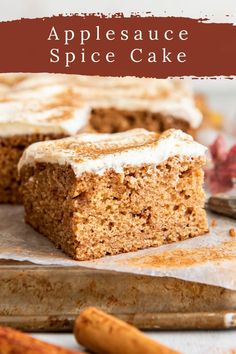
(23, 123)
(102, 194)
(119, 104)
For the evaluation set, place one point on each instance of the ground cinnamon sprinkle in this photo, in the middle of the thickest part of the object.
(180, 258)
(213, 222)
(232, 232)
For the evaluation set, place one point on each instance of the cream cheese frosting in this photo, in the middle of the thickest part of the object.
(18, 118)
(98, 153)
(35, 81)
(169, 97)
(41, 94)
(153, 95)
(12, 79)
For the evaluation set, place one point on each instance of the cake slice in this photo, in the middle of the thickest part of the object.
(23, 123)
(120, 104)
(102, 194)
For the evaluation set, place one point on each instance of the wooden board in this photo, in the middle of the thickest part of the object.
(48, 298)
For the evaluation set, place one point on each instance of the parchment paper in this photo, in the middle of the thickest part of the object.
(209, 259)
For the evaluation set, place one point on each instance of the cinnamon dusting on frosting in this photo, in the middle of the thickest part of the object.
(100, 152)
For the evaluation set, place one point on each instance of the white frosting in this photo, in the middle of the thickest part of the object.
(17, 118)
(100, 152)
(159, 85)
(176, 106)
(41, 93)
(33, 81)
(148, 84)
(168, 97)
(4, 89)
(12, 79)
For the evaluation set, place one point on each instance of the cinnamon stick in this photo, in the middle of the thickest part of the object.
(13, 341)
(102, 333)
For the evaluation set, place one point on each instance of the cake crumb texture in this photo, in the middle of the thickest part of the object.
(11, 150)
(92, 215)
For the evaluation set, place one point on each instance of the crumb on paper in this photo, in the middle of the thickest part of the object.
(181, 258)
(213, 222)
(232, 232)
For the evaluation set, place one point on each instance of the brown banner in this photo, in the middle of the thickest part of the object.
(141, 46)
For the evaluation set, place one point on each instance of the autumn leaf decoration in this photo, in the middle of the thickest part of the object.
(220, 177)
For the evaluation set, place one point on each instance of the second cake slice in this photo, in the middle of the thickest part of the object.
(101, 194)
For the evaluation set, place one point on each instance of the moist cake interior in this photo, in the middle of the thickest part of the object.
(74, 197)
(114, 121)
(23, 124)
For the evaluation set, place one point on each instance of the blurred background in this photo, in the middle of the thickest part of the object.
(221, 93)
(215, 98)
